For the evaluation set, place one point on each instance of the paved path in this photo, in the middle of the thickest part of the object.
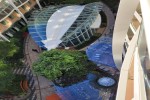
(110, 19)
(43, 86)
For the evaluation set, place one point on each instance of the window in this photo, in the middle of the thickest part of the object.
(4, 22)
(24, 7)
(11, 17)
(16, 12)
(29, 3)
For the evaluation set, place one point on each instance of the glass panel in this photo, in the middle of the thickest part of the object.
(69, 44)
(81, 38)
(85, 35)
(75, 41)
(144, 58)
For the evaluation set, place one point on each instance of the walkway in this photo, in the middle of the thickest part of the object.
(100, 52)
(110, 19)
(43, 86)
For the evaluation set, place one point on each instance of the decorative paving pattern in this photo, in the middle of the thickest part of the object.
(106, 81)
(100, 52)
(80, 91)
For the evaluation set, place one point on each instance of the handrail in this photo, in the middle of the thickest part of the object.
(122, 85)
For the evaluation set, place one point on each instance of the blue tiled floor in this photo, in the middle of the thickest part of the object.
(100, 52)
(80, 91)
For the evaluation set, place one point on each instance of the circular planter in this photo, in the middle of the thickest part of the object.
(106, 81)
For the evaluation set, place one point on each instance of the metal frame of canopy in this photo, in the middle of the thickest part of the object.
(78, 32)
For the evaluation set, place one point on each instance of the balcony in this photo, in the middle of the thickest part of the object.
(9, 21)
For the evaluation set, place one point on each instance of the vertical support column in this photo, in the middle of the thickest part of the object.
(37, 1)
(122, 23)
(3, 37)
(11, 2)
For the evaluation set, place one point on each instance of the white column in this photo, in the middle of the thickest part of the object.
(37, 1)
(3, 37)
(11, 2)
(123, 20)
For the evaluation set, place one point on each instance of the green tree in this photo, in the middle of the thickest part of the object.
(6, 77)
(7, 49)
(55, 63)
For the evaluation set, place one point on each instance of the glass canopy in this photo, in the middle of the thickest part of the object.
(75, 30)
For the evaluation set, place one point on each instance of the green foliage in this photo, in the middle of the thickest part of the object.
(3, 66)
(10, 56)
(15, 60)
(6, 78)
(55, 63)
(7, 49)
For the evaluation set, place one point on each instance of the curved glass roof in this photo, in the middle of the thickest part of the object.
(59, 23)
(38, 21)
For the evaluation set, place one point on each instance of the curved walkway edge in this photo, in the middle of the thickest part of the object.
(43, 86)
(110, 19)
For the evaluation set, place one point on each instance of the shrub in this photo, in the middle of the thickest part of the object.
(56, 63)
